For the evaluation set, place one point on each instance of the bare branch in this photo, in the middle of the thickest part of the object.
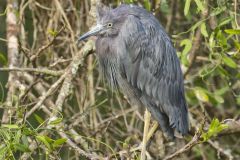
(13, 53)
(48, 93)
(72, 72)
(41, 49)
(37, 70)
(220, 150)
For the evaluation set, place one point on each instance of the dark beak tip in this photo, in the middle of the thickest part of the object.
(82, 38)
(90, 33)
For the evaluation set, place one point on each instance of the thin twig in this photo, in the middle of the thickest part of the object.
(170, 16)
(76, 148)
(47, 94)
(193, 52)
(37, 70)
(196, 44)
(220, 150)
(41, 49)
(187, 147)
(235, 13)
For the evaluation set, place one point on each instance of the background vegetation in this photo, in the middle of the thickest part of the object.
(54, 104)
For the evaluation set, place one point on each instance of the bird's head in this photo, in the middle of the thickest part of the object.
(108, 23)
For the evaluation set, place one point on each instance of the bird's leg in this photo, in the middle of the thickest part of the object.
(147, 117)
(152, 130)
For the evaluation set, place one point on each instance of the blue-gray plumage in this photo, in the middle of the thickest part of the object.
(137, 56)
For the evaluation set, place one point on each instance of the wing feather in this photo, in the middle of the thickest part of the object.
(152, 67)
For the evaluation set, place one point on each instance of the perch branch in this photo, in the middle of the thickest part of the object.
(233, 127)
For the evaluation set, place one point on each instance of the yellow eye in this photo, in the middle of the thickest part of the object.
(109, 25)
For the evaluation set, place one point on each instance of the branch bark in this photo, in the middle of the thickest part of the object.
(36, 70)
(13, 54)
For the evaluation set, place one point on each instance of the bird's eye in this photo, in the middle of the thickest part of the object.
(109, 25)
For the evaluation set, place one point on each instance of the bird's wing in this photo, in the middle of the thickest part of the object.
(151, 65)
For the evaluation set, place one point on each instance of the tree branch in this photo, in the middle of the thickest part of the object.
(37, 70)
(13, 53)
(233, 127)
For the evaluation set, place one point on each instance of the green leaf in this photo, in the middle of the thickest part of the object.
(164, 6)
(201, 94)
(238, 76)
(221, 39)
(52, 32)
(24, 140)
(10, 126)
(17, 136)
(223, 72)
(186, 7)
(237, 44)
(5, 134)
(204, 30)
(232, 31)
(21, 147)
(229, 62)
(199, 5)
(212, 41)
(128, 1)
(225, 21)
(3, 59)
(214, 128)
(38, 118)
(125, 145)
(219, 99)
(147, 5)
(50, 140)
(187, 43)
(3, 151)
(221, 91)
(218, 10)
(56, 121)
(4, 13)
(238, 100)
(44, 140)
(196, 25)
(27, 131)
(59, 142)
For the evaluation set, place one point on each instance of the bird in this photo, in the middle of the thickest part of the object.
(137, 56)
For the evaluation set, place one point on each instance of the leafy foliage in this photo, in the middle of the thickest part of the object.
(15, 137)
(214, 128)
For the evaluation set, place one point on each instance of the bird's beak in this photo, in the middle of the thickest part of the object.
(94, 31)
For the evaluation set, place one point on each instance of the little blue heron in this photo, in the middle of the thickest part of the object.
(136, 56)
